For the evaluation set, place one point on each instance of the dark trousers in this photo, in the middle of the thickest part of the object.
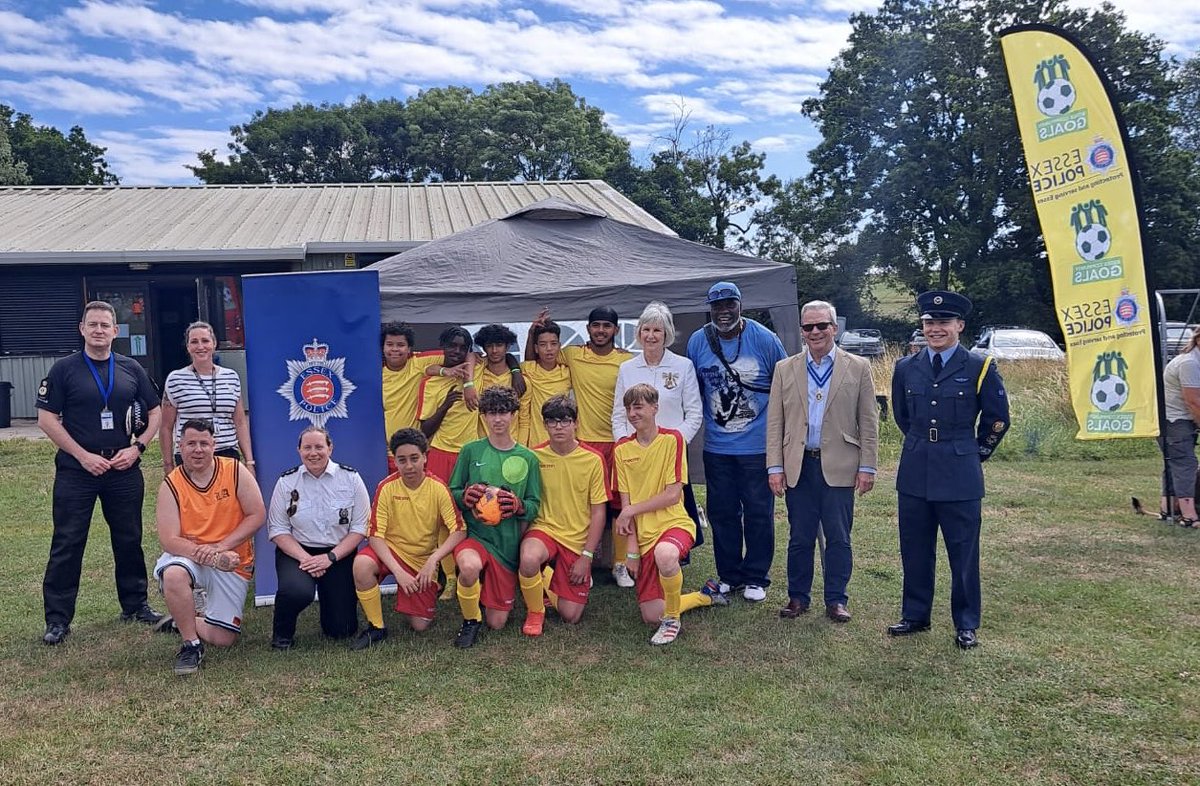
(296, 589)
(75, 493)
(960, 523)
(741, 510)
(812, 506)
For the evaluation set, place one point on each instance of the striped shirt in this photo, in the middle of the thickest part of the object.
(212, 397)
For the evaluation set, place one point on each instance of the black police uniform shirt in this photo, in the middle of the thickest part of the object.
(70, 390)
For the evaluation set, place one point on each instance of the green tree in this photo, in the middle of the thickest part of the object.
(50, 158)
(919, 149)
(12, 172)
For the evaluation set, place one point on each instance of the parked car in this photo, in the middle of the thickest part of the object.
(917, 342)
(1018, 344)
(1176, 336)
(867, 342)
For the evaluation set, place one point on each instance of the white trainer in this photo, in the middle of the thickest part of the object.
(668, 631)
(621, 574)
(754, 593)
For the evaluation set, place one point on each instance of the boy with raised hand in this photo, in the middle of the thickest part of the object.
(651, 470)
(569, 524)
(409, 509)
(403, 371)
(593, 368)
(487, 560)
(500, 369)
(545, 377)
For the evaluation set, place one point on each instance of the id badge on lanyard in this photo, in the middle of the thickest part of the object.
(106, 416)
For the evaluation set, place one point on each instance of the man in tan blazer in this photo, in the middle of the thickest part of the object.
(822, 446)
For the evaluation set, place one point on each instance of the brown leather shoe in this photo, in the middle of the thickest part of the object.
(793, 609)
(837, 612)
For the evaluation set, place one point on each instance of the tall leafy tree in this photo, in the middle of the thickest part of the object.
(12, 172)
(52, 158)
(919, 149)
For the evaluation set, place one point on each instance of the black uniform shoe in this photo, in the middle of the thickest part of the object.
(144, 615)
(56, 633)
(907, 628)
(368, 636)
(966, 639)
(280, 643)
(467, 634)
(189, 658)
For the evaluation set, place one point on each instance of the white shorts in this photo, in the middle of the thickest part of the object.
(226, 590)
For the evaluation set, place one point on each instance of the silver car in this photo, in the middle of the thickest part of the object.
(1018, 344)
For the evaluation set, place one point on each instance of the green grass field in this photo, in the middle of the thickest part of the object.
(1089, 671)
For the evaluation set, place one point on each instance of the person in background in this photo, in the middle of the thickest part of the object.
(1181, 384)
(546, 378)
(204, 390)
(403, 371)
(317, 518)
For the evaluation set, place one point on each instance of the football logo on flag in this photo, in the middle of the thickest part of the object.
(1110, 390)
(1090, 222)
(316, 388)
(1056, 94)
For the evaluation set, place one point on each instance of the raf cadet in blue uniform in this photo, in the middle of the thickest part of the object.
(953, 411)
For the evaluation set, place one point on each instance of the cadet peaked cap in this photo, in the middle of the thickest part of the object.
(939, 304)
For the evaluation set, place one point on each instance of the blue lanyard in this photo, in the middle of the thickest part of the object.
(96, 376)
(820, 379)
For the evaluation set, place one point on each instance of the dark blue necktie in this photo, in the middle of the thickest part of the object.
(937, 364)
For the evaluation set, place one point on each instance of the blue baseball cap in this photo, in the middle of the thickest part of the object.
(723, 290)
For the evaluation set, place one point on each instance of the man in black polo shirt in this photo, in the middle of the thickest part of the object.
(84, 407)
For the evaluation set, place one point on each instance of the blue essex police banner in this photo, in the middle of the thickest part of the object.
(312, 357)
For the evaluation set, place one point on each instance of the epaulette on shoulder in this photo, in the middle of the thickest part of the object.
(291, 471)
(346, 467)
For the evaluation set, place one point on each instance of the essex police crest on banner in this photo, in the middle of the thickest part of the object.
(316, 387)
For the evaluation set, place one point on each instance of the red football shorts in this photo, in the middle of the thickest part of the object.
(563, 559)
(422, 604)
(440, 463)
(648, 587)
(499, 588)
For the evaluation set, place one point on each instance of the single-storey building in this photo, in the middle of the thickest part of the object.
(165, 256)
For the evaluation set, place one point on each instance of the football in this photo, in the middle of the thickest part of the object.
(487, 509)
(1093, 242)
(1056, 98)
(1109, 393)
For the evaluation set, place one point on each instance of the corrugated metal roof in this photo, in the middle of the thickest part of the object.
(197, 223)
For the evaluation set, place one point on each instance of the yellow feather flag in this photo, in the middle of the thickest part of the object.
(1082, 182)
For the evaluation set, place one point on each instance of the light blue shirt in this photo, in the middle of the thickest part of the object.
(816, 405)
(945, 353)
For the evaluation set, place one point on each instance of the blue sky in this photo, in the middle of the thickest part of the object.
(154, 82)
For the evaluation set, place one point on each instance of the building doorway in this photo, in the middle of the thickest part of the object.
(175, 306)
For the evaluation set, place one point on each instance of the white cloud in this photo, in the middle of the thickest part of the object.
(781, 143)
(699, 110)
(71, 95)
(156, 156)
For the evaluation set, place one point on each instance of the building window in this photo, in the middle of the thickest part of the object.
(226, 297)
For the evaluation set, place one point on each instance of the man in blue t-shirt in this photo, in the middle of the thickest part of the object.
(735, 359)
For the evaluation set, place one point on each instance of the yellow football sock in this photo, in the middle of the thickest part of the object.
(672, 587)
(619, 544)
(468, 601)
(448, 566)
(693, 600)
(371, 604)
(531, 591)
(547, 574)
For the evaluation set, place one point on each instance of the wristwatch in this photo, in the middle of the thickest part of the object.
(140, 446)
(332, 557)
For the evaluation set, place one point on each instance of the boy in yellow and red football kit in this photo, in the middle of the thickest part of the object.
(499, 471)
(569, 524)
(593, 370)
(500, 369)
(409, 509)
(545, 377)
(403, 372)
(651, 470)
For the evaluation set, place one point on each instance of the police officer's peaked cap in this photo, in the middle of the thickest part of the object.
(939, 304)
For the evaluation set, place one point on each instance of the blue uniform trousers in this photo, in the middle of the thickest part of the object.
(959, 522)
(741, 510)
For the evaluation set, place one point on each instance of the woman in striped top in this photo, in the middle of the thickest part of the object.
(205, 391)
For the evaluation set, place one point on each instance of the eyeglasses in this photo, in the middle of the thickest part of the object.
(815, 326)
(555, 423)
(291, 510)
